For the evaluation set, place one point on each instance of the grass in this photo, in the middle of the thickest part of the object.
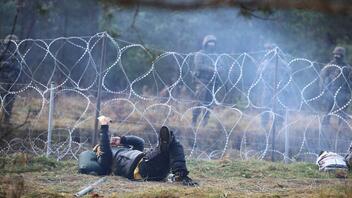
(32, 176)
(21, 163)
(224, 169)
(336, 191)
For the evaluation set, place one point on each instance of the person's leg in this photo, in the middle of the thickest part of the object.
(208, 100)
(9, 100)
(199, 97)
(264, 119)
(155, 164)
(266, 101)
(328, 105)
(177, 156)
(178, 162)
(206, 117)
(342, 103)
(279, 117)
(195, 114)
(88, 164)
(326, 120)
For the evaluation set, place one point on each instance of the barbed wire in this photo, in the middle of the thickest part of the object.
(251, 95)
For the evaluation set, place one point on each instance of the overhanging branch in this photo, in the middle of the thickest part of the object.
(328, 6)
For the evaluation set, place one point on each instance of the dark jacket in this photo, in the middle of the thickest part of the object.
(203, 67)
(9, 70)
(120, 160)
(332, 79)
(126, 157)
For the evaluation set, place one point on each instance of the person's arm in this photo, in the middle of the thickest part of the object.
(197, 64)
(136, 142)
(348, 74)
(323, 75)
(105, 155)
(104, 141)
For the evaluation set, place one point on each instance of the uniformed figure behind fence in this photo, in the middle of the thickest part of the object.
(9, 76)
(203, 72)
(335, 83)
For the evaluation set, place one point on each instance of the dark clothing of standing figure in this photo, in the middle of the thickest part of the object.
(272, 91)
(123, 160)
(335, 82)
(9, 74)
(203, 72)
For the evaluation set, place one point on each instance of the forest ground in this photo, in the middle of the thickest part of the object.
(33, 176)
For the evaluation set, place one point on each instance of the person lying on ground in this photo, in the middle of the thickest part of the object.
(124, 156)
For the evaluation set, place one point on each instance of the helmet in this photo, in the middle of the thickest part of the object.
(208, 38)
(269, 46)
(339, 51)
(10, 37)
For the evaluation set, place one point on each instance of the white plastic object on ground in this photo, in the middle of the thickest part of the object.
(90, 187)
(331, 161)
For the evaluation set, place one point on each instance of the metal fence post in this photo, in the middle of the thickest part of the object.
(50, 118)
(287, 141)
(274, 105)
(100, 77)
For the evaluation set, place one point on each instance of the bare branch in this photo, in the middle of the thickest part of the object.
(135, 16)
(329, 6)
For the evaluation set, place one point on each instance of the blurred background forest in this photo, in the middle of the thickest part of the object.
(310, 33)
(242, 27)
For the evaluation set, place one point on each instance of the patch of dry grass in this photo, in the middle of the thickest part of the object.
(223, 178)
(70, 108)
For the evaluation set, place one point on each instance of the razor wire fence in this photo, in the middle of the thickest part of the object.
(262, 105)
